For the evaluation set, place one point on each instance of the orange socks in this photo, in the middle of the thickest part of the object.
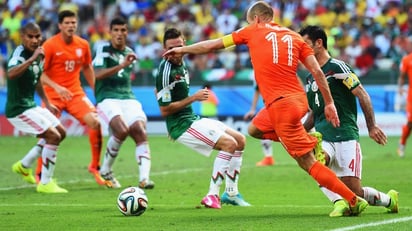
(405, 134)
(326, 178)
(39, 164)
(95, 139)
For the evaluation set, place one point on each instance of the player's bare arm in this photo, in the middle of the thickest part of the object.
(252, 111)
(63, 92)
(40, 91)
(88, 72)
(202, 47)
(174, 107)
(331, 113)
(17, 71)
(102, 73)
(364, 100)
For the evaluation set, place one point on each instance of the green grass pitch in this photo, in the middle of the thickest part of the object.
(284, 197)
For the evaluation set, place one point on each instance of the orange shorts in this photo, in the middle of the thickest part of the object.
(78, 106)
(262, 122)
(285, 115)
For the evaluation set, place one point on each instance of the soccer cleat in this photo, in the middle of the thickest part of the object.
(26, 173)
(211, 201)
(360, 205)
(50, 187)
(401, 150)
(110, 181)
(95, 172)
(340, 209)
(319, 154)
(146, 184)
(266, 161)
(394, 205)
(234, 200)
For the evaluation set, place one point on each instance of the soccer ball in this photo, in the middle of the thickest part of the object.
(132, 201)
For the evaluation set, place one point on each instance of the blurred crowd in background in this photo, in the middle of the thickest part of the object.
(368, 34)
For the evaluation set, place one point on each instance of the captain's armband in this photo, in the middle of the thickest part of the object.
(228, 41)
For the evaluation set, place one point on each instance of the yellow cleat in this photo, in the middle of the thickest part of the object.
(340, 209)
(319, 154)
(26, 173)
(394, 205)
(360, 205)
(50, 187)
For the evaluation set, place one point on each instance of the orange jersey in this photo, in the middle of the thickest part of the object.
(406, 67)
(63, 63)
(275, 52)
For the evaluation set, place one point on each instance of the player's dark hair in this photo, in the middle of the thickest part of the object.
(64, 14)
(117, 21)
(30, 26)
(171, 33)
(314, 33)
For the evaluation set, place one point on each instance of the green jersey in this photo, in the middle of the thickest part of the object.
(20, 90)
(117, 86)
(172, 84)
(341, 81)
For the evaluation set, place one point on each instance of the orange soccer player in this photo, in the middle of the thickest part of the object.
(66, 54)
(275, 53)
(405, 73)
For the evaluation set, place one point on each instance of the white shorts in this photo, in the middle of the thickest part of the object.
(34, 120)
(345, 157)
(129, 109)
(203, 135)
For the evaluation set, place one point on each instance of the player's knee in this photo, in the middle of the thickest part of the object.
(138, 131)
(254, 132)
(62, 133)
(121, 133)
(241, 141)
(230, 145)
(52, 136)
(94, 124)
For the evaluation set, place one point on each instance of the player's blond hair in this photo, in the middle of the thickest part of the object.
(262, 10)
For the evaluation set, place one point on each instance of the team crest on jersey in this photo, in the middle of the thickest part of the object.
(79, 52)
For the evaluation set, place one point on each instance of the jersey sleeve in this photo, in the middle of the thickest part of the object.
(345, 73)
(48, 54)
(88, 54)
(99, 60)
(306, 50)
(241, 36)
(15, 59)
(163, 92)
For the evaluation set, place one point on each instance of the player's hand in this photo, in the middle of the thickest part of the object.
(39, 52)
(130, 58)
(249, 115)
(201, 94)
(332, 115)
(53, 109)
(172, 52)
(64, 93)
(378, 135)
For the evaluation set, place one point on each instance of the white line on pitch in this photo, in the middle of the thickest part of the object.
(372, 224)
